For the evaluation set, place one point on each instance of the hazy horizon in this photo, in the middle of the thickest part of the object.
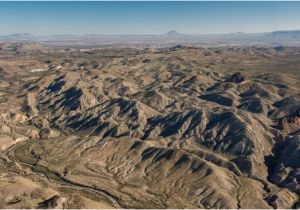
(132, 34)
(146, 18)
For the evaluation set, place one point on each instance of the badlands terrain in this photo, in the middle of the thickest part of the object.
(172, 127)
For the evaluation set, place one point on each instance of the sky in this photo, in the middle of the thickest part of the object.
(112, 18)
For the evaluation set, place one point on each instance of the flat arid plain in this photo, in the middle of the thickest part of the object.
(165, 127)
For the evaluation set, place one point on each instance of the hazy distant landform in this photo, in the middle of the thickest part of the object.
(135, 126)
(287, 38)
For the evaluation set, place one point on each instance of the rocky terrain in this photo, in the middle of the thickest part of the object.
(178, 127)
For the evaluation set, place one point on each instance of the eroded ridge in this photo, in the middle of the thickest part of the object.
(172, 127)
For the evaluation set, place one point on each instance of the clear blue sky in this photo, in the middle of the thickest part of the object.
(43, 18)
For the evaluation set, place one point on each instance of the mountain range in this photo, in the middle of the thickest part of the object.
(284, 37)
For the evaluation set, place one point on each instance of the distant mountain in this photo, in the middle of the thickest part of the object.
(18, 37)
(292, 34)
(173, 33)
(21, 35)
(276, 38)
